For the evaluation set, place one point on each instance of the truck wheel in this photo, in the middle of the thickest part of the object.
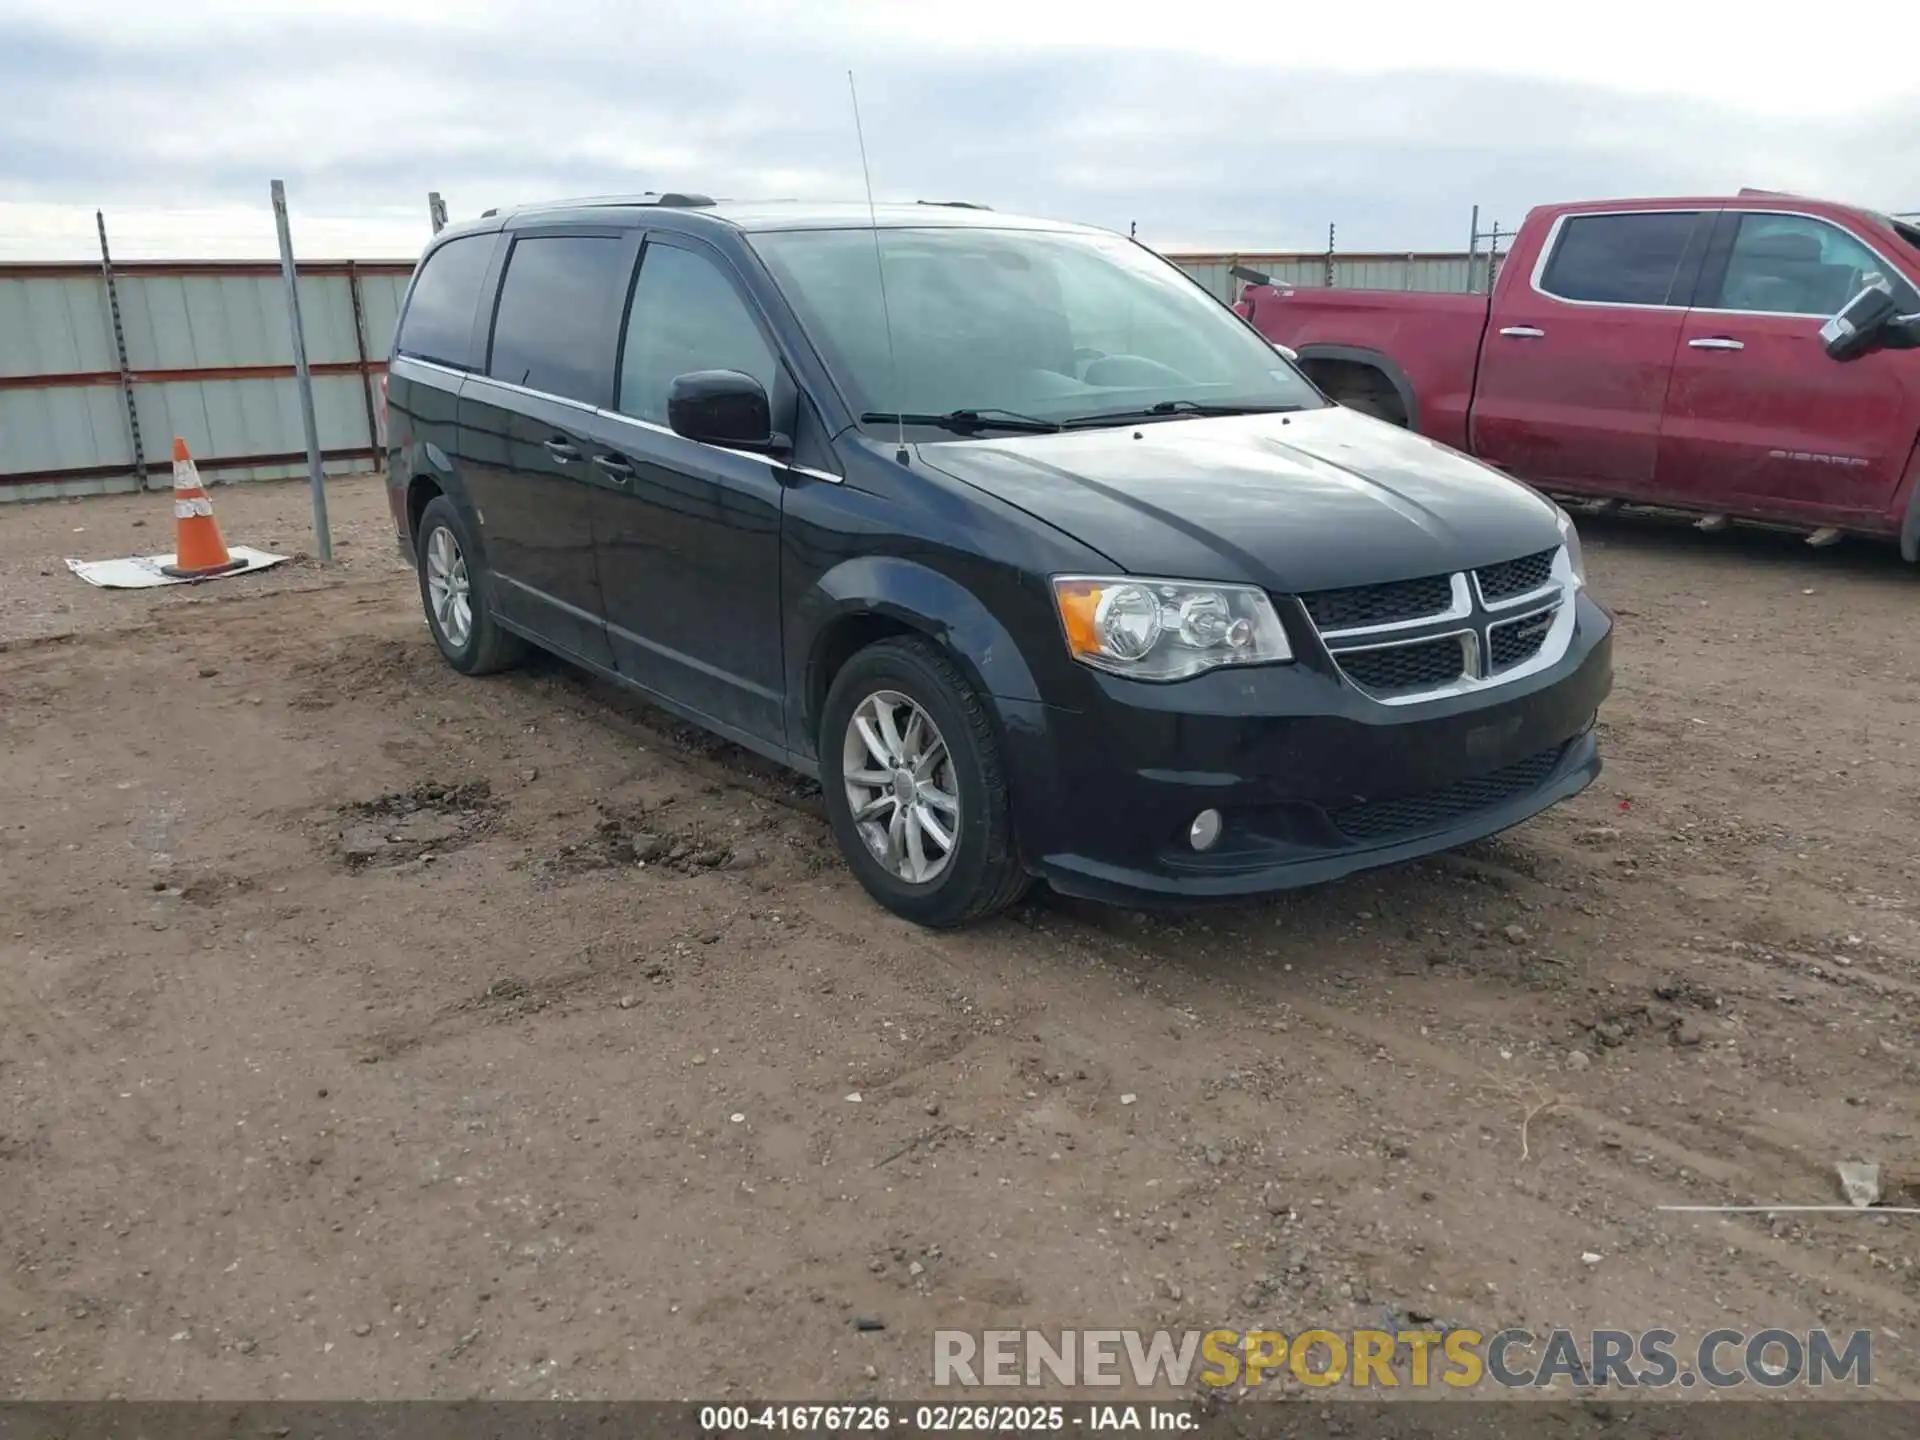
(1358, 386)
(911, 774)
(1372, 402)
(454, 591)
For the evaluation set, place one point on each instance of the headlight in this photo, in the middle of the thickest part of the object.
(1167, 629)
(1570, 538)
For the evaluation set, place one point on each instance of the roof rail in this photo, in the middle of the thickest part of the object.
(689, 199)
(954, 204)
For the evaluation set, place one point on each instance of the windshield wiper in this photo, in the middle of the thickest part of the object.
(1174, 410)
(966, 421)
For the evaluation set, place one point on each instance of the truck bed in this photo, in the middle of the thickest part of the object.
(1425, 342)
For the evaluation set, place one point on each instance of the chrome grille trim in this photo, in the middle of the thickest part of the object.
(1549, 591)
(1391, 602)
(1516, 597)
(1511, 622)
(1467, 641)
(1458, 608)
(1556, 597)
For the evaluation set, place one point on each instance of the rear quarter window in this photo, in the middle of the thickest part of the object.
(438, 324)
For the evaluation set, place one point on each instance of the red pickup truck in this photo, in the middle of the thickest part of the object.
(1662, 352)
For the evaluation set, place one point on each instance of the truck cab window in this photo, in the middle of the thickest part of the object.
(1794, 265)
(1619, 259)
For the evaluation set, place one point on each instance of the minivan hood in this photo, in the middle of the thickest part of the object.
(1307, 501)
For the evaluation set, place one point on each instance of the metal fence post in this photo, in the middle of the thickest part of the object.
(120, 351)
(366, 370)
(316, 472)
(1473, 246)
(1330, 257)
(436, 211)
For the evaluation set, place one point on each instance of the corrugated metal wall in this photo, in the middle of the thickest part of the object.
(209, 359)
(1412, 271)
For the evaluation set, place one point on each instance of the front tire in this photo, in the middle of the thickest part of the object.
(911, 773)
(455, 594)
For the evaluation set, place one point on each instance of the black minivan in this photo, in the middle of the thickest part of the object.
(1040, 559)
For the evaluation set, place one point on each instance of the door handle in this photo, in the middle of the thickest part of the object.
(1523, 332)
(614, 468)
(562, 451)
(1715, 342)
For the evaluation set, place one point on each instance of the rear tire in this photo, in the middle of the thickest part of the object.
(457, 596)
(905, 737)
(1358, 386)
(1372, 402)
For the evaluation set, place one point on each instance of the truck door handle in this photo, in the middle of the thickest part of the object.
(1715, 342)
(615, 469)
(562, 451)
(1523, 332)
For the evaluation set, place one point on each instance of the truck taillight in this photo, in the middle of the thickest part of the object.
(380, 412)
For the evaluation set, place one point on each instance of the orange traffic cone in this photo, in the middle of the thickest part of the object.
(198, 548)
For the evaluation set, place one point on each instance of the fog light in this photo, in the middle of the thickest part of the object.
(1204, 830)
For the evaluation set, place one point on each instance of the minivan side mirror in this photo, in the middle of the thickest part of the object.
(1856, 328)
(1287, 353)
(723, 407)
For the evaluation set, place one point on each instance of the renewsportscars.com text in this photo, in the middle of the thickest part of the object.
(1413, 1359)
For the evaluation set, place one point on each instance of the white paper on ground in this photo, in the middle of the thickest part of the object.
(142, 572)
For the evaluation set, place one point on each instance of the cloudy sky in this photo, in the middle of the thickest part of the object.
(1224, 125)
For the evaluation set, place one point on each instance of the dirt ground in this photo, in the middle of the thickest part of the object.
(369, 1031)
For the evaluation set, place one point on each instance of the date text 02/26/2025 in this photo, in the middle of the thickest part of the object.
(942, 1419)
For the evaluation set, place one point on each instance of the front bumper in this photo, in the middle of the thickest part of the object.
(1314, 780)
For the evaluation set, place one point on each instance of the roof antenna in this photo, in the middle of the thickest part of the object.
(880, 269)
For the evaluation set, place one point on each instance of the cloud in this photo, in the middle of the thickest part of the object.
(365, 107)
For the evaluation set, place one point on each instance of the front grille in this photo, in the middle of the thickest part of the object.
(1519, 640)
(1359, 605)
(1419, 814)
(1515, 577)
(1422, 666)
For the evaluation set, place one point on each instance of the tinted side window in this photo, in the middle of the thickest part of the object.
(558, 316)
(1794, 265)
(687, 315)
(1618, 259)
(438, 324)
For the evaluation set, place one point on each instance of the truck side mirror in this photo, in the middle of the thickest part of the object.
(1287, 353)
(1856, 329)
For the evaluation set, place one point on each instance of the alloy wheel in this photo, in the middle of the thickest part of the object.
(901, 788)
(449, 590)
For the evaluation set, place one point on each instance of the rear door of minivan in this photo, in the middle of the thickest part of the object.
(526, 429)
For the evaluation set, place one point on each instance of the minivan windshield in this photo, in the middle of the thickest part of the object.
(1020, 330)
